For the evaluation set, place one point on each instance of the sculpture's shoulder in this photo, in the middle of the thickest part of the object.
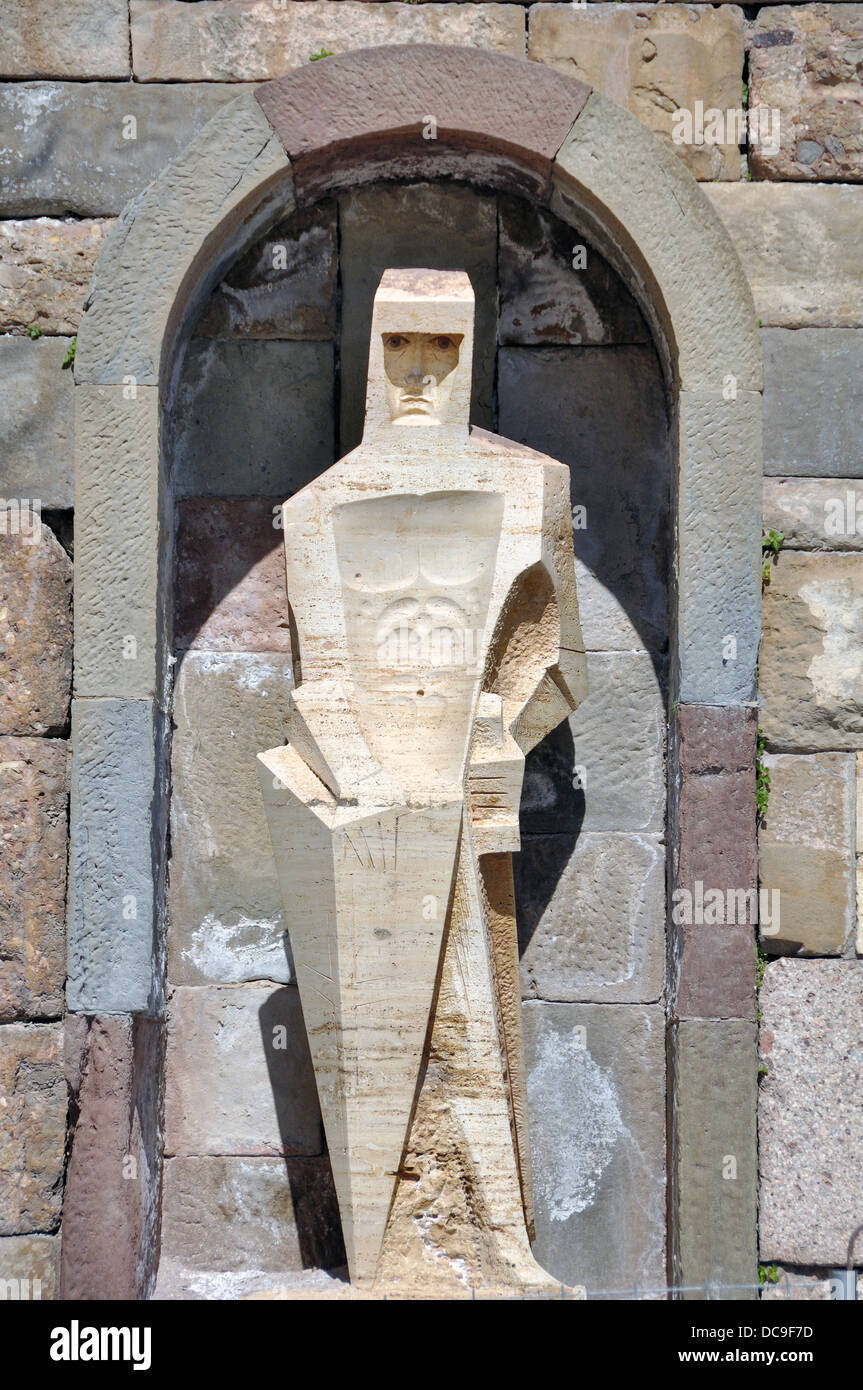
(496, 446)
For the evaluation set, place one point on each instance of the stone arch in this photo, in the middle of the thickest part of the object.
(390, 113)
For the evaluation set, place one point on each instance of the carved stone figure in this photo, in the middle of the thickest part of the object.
(433, 606)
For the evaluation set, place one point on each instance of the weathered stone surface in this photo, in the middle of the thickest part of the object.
(285, 287)
(579, 778)
(72, 148)
(600, 411)
(810, 1138)
(591, 917)
(811, 660)
(611, 172)
(239, 1078)
(797, 1286)
(712, 948)
(806, 852)
(250, 40)
(35, 625)
(812, 416)
(224, 905)
(797, 247)
(546, 296)
(224, 1214)
(715, 1156)
(230, 575)
(121, 544)
(33, 1132)
(81, 38)
(253, 418)
(815, 513)
(45, 267)
(37, 430)
(718, 562)
(596, 1086)
(438, 226)
(804, 64)
(655, 61)
(33, 1262)
(166, 255)
(33, 801)
(117, 806)
(110, 1214)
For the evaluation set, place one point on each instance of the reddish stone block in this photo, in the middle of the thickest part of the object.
(35, 626)
(33, 801)
(32, 1127)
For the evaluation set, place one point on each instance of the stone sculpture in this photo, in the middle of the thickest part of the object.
(432, 598)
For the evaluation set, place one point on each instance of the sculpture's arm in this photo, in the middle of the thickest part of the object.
(322, 727)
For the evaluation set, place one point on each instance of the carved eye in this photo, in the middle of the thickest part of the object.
(442, 343)
(396, 340)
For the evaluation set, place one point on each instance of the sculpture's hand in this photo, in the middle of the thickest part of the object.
(323, 729)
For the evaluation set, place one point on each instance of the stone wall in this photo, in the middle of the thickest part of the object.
(96, 96)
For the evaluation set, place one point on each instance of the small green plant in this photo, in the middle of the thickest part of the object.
(748, 176)
(69, 358)
(760, 966)
(34, 331)
(762, 778)
(745, 92)
(762, 1069)
(324, 53)
(768, 1274)
(771, 544)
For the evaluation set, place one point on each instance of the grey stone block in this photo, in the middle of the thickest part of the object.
(80, 38)
(813, 406)
(719, 546)
(605, 768)
(596, 1092)
(810, 1136)
(253, 418)
(37, 431)
(815, 513)
(591, 917)
(715, 1156)
(545, 298)
(601, 411)
(239, 1077)
(224, 903)
(33, 1262)
(441, 226)
(63, 149)
(117, 803)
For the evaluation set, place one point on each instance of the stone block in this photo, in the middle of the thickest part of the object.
(251, 40)
(35, 624)
(812, 417)
(225, 1214)
(111, 1209)
(86, 149)
(810, 1138)
(80, 39)
(806, 852)
(440, 226)
(117, 799)
(716, 738)
(253, 418)
(33, 810)
(580, 778)
(284, 287)
(811, 662)
(815, 513)
(121, 544)
(600, 410)
(547, 296)
(45, 268)
(804, 66)
(718, 546)
(33, 1134)
(37, 432)
(797, 248)
(230, 575)
(591, 917)
(703, 305)
(224, 905)
(239, 1074)
(30, 1265)
(654, 61)
(596, 1089)
(715, 1157)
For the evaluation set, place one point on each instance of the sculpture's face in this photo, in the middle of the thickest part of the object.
(419, 370)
